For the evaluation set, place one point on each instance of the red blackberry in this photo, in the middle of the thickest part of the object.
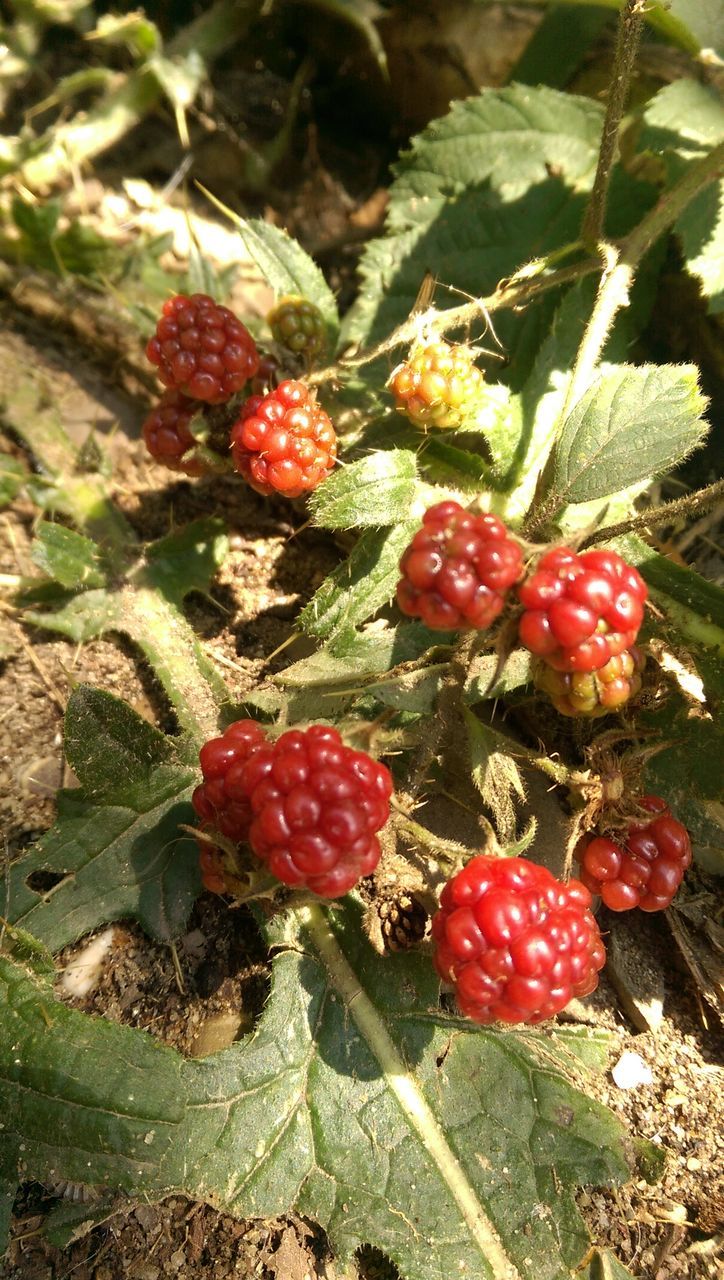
(299, 326)
(219, 801)
(645, 869)
(284, 442)
(202, 349)
(438, 385)
(457, 569)
(593, 693)
(581, 610)
(309, 806)
(167, 435)
(516, 944)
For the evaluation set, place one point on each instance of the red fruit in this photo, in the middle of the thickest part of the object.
(581, 610)
(645, 869)
(593, 693)
(457, 569)
(284, 442)
(438, 386)
(516, 943)
(309, 806)
(167, 436)
(202, 349)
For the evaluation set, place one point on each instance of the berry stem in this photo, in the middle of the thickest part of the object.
(630, 25)
(690, 505)
(417, 1113)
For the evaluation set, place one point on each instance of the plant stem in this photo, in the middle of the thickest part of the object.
(655, 516)
(513, 292)
(630, 24)
(621, 265)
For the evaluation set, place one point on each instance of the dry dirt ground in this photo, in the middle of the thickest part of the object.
(215, 986)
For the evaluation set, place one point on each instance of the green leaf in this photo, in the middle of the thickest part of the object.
(66, 556)
(187, 559)
(286, 266)
(681, 124)
(704, 19)
(495, 774)
(356, 1102)
(109, 747)
(559, 45)
(354, 655)
(604, 1266)
(499, 179)
(361, 585)
(631, 424)
(110, 860)
(13, 474)
(377, 490)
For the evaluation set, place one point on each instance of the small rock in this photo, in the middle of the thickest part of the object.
(631, 1071)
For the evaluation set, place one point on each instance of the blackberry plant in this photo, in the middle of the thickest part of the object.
(498, 591)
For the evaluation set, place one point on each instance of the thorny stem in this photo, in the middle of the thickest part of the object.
(655, 516)
(514, 292)
(630, 25)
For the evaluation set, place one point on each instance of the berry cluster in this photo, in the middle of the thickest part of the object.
(167, 435)
(284, 442)
(202, 349)
(458, 568)
(646, 869)
(593, 693)
(579, 611)
(309, 806)
(516, 944)
(299, 326)
(438, 386)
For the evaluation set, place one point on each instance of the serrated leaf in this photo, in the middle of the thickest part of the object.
(66, 556)
(285, 265)
(352, 656)
(682, 123)
(187, 559)
(476, 196)
(495, 774)
(108, 745)
(362, 15)
(356, 1102)
(376, 490)
(13, 474)
(631, 424)
(361, 585)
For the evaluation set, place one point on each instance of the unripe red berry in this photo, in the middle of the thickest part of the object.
(284, 442)
(438, 386)
(201, 348)
(298, 325)
(579, 611)
(643, 869)
(593, 693)
(309, 806)
(457, 569)
(516, 944)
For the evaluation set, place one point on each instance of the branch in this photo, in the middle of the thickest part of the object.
(621, 265)
(525, 285)
(630, 25)
(690, 505)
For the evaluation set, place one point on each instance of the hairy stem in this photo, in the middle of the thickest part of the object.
(690, 505)
(630, 25)
(523, 287)
(621, 266)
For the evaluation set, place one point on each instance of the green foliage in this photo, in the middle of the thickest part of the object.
(376, 490)
(315, 1112)
(66, 556)
(680, 124)
(13, 474)
(361, 585)
(633, 423)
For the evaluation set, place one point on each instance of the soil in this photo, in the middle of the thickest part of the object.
(211, 986)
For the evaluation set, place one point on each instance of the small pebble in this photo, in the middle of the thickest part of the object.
(631, 1071)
